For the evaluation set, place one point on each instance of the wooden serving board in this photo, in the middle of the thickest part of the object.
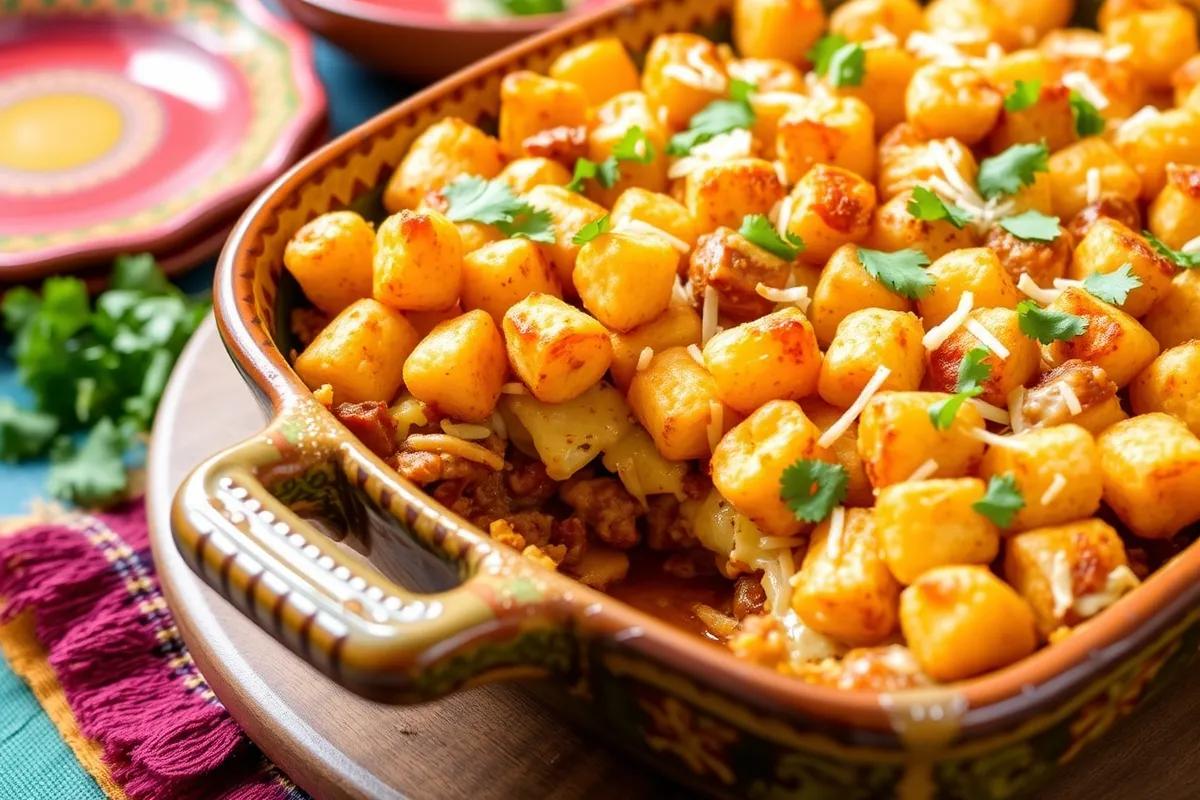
(495, 741)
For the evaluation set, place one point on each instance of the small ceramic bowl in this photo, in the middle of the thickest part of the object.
(418, 39)
(436, 606)
(141, 125)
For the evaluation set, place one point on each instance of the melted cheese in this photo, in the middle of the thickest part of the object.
(644, 358)
(465, 430)
(567, 436)
(1070, 398)
(1120, 582)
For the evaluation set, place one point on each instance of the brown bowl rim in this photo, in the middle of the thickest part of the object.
(1041, 681)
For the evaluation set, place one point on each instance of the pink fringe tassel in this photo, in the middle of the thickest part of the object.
(162, 738)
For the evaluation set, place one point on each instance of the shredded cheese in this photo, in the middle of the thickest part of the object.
(784, 217)
(723, 147)
(881, 37)
(1067, 283)
(796, 295)
(837, 525)
(465, 430)
(697, 73)
(1070, 398)
(940, 333)
(780, 542)
(926, 470)
(644, 359)
(996, 440)
(780, 172)
(681, 292)
(1093, 185)
(513, 388)
(716, 424)
(1057, 484)
(498, 424)
(1036, 293)
(453, 446)
(637, 226)
(1139, 117)
(844, 422)
(1087, 88)
(1120, 582)
(1016, 409)
(1061, 585)
(1191, 246)
(987, 338)
(695, 353)
(1118, 52)
(708, 315)
(990, 412)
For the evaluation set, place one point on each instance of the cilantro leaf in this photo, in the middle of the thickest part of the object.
(812, 488)
(821, 54)
(1002, 501)
(606, 173)
(140, 273)
(525, 8)
(1179, 258)
(1047, 325)
(972, 372)
(1088, 121)
(1032, 226)
(473, 199)
(1024, 95)
(24, 434)
(926, 205)
(634, 146)
(1012, 169)
(719, 116)
(847, 66)
(1112, 287)
(591, 231)
(903, 271)
(94, 474)
(757, 229)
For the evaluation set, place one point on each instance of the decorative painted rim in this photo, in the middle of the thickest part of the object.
(285, 94)
(1007, 700)
(402, 17)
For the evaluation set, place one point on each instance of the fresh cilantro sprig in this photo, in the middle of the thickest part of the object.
(812, 488)
(821, 53)
(719, 116)
(525, 8)
(591, 231)
(839, 62)
(1047, 325)
(1112, 287)
(1025, 94)
(903, 271)
(100, 366)
(1009, 171)
(1032, 226)
(634, 146)
(473, 199)
(757, 229)
(1185, 260)
(926, 205)
(1002, 500)
(1088, 121)
(972, 372)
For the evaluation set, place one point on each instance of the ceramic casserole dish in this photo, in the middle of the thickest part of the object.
(390, 594)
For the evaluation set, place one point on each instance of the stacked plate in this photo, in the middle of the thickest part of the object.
(142, 125)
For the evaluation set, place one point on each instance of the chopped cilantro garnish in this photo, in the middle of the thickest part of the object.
(1186, 260)
(1112, 287)
(634, 146)
(812, 488)
(1088, 121)
(1009, 171)
(903, 271)
(719, 116)
(1002, 501)
(757, 229)
(1047, 325)
(1032, 226)
(821, 53)
(972, 372)
(926, 205)
(474, 199)
(1024, 95)
(591, 231)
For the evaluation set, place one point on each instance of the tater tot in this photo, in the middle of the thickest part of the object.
(331, 259)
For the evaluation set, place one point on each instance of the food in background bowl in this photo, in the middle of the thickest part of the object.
(862, 327)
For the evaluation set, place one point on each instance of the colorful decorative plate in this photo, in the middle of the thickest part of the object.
(131, 125)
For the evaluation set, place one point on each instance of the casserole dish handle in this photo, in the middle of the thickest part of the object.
(337, 611)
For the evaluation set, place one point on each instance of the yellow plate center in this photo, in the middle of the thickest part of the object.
(57, 131)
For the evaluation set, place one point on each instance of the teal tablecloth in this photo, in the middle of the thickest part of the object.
(35, 764)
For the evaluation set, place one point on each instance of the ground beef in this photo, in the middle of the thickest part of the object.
(424, 468)
(748, 596)
(688, 564)
(529, 484)
(372, 424)
(571, 533)
(666, 528)
(607, 509)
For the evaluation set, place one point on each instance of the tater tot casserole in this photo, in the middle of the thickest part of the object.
(866, 346)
